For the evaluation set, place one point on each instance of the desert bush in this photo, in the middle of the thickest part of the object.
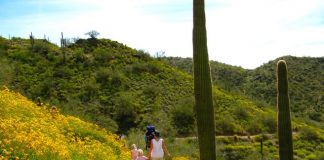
(183, 117)
(309, 134)
(225, 126)
(236, 152)
(241, 113)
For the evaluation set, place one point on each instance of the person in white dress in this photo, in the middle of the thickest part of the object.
(157, 148)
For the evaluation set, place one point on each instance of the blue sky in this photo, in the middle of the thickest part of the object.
(243, 33)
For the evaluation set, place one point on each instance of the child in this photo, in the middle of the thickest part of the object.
(141, 155)
(134, 152)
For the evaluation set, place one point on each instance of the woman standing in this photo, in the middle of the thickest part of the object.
(157, 148)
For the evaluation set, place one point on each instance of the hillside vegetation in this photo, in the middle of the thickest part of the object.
(28, 131)
(103, 81)
(123, 90)
(306, 76)
(120, 88)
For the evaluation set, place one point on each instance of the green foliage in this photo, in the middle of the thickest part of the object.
(94, 82)
(241, 113)
(136, 136)
(320, 156)
(183, 117)
(98, 81)
(125, 111)
(305, 76)
(236, 152)
(270, 123)
(309, 134)
(225, 126)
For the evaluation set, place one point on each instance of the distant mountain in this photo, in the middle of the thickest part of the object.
(306, 77)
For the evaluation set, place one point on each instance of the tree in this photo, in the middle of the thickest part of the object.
(93, 34)
(202, 84)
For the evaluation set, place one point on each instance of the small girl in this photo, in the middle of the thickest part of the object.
(134, 152)
(141, 155)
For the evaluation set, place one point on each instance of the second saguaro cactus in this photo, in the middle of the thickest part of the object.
(32, 40)
(284, 120)
(202, 85)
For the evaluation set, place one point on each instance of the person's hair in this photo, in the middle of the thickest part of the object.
(134, 146)
(140, 152)
(157, 134)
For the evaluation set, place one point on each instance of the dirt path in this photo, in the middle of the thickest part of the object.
(239, 137)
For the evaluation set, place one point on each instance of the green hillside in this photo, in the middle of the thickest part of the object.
(123, 90)
(306, 76)
(306, 85)
(120, 88)
(99, 80)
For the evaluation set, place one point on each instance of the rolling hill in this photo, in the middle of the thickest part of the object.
(123, 90)
(120, 88)
(305, 75)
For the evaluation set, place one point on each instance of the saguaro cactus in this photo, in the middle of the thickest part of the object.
(32, 40)
(62, 41)
(284, 121)
(63, 45)
(202, 84)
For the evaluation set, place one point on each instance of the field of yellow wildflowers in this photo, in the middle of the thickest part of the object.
(28, 131)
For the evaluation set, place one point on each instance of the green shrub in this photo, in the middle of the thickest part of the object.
(316, 116)
(270, 123)
(241, 113)
(236, 152)
(152, 91)
(225, 126)
(41, 48)
(106, 122)
(136, 136)
(103, 55)
(137, 68)
(320, 156)
(125, 111)
(183, 117)
(254, 128)
(309, 134)
(117, 79)
(20, 55)
(311, 157)
(141, 54)
(103, 74)
(153, 68)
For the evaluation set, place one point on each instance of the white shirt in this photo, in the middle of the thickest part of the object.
(157, 151)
